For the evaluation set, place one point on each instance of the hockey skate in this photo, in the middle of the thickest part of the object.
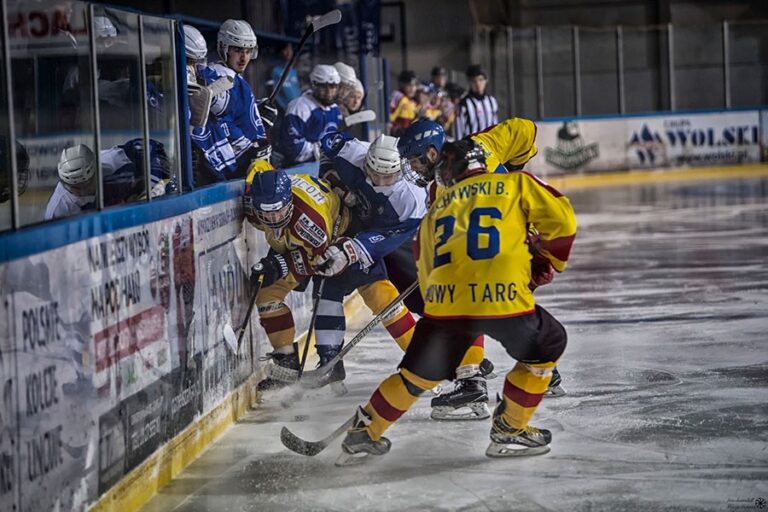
(510, 442)
(283, 372)
(468, 401)
(555, 389)
(358, 445)
(336, 376)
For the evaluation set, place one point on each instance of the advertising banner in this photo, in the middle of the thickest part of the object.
(567, 147)
(579, 146)
(696, 139)
(111, 346)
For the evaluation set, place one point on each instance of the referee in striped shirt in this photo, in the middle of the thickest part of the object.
(477, 110)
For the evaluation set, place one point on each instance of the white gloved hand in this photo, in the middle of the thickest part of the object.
(339, 256)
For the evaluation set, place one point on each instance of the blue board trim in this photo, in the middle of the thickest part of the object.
(54, 234)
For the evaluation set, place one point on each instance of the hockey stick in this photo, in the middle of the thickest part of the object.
(312, 448)
(364, 116)
(313, 377)
(311, 328)
(229, 334)
(329, 18)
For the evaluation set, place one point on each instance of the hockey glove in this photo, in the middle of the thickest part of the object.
(339, 256)
(542, 273)
(267, 111)
(261, 152)
(340, 189)
(272, 267)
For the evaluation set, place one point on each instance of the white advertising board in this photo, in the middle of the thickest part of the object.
(578, 146)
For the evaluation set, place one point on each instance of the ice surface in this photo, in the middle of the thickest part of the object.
(666, 306)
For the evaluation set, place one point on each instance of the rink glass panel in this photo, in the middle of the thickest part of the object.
(161, 87)
(5, 153)
(120, 95)
(51, 86)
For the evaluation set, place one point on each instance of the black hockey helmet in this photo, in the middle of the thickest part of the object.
(459, 160)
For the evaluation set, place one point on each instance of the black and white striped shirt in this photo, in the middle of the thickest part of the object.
(476, 113)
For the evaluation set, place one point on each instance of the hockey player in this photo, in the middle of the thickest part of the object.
(474, 270)
(122, 170)
(300, 217)
(384, 212)
(310, 117)
(507, 146)
(235, 136)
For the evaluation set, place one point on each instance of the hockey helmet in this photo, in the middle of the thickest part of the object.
(237, 33)
(194, 44)
(325, 81)
(459, 160)
(382, 162)
(272, 198)
(414, 147)
(77, 165)
(346, 72)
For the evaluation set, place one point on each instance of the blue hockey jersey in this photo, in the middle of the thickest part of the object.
(306, 123)
(233, 126)
(388, 216)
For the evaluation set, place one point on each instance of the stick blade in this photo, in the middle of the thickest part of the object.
(329, 18)
(299, 445)
(230, 338)
(364, 116)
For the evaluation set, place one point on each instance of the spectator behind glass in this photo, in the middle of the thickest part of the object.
(291, 87)
(402, 103)
(454, 94)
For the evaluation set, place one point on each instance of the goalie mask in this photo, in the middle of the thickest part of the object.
(272, 198)
(383, 164)
(420, 146)
(459, 160)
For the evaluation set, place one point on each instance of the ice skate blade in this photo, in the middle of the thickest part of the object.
(352, 459)
(475, 411)
(497, 450)
(555, 392)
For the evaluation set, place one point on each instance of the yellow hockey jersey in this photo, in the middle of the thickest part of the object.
(511, 142)
(472, 258)
(318, 219)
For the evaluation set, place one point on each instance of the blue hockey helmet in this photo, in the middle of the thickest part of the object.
(272, 198)
(414, 146)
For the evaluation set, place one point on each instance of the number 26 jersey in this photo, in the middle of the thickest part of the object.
(472, 258)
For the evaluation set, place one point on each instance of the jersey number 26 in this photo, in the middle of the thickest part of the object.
(474, 230)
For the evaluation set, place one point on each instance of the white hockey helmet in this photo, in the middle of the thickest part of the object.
(383, 159)
(236, 33)
(77, 165)
(324, 74)
(194, 44)
(346, 72)
(103, 27)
